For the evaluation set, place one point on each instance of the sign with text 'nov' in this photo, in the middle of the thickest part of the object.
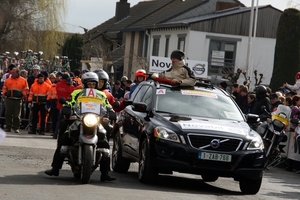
(160, 64)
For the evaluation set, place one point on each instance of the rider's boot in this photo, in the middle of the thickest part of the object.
(104, 168)
(52, 172)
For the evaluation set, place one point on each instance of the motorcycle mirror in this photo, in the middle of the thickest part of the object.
(112, 115)
(263, 108)
(62, 100)
(127, 103)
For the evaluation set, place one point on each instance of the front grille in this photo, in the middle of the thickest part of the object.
(200, 141)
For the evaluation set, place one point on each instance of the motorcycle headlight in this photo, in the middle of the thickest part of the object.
(256, 143)
(166, 134)
(90, 120)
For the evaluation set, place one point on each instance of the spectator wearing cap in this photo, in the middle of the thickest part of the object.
(179, 73)
(63, 89)
(123, 81)
(275, 102)
(46, 79)
(38, 94)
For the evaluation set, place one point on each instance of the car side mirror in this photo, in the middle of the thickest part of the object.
(127, 102)
(139, 106)
(252, 118)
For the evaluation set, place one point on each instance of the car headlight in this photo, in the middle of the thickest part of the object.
(256, 143)
(166, 134)
(90, 120)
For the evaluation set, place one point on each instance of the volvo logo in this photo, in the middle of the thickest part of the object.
(199, 69)
(215, 143)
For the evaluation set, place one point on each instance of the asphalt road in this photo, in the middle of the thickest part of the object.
(24, 158)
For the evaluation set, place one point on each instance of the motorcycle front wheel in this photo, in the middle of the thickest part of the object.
(87, 163)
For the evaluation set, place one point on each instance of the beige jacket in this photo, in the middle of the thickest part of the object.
(180, 72)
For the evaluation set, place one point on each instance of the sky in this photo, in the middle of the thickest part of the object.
(91, 13)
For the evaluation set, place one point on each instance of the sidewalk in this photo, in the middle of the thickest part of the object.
(23, 139)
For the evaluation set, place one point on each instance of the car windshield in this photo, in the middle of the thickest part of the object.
(197, 103)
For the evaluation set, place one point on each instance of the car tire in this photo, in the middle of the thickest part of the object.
(146, 173)
(249, 186)
(118, 162)
(209, 178)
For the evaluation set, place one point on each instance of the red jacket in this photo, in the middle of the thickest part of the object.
(63, 90)
(111, 100)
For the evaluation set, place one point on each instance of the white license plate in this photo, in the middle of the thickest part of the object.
(214, 156)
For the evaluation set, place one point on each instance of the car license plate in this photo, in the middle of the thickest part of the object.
(214, 156)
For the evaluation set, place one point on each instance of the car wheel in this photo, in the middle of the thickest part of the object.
(209, 178)
(146, 173)
(119, 163)
(249, 186)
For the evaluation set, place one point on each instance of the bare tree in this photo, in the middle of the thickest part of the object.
(31, 24)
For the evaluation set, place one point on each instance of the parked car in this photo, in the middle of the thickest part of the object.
(195, 130)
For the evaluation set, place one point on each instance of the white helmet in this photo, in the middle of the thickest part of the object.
(89, 77)
(36, 67)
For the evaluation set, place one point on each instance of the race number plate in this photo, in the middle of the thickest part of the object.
(214, 156)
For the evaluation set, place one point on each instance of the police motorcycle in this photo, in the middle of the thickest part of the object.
(272, 132)
(85, 130)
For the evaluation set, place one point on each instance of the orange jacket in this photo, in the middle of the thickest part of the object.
(39, 92)
(78, 80)
(15, 88)
(52, 93)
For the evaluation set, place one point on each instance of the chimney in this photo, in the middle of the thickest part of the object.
(225, 5)
(122, 10)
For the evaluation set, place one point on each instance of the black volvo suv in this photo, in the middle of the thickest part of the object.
(195, 130)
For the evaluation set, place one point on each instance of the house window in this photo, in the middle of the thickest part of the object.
(181, 42)
(221, 57)
(167, 46)
(155, 49)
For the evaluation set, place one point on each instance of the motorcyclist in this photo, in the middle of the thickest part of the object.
(89, 80)
(261, 100)
(103, 86)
